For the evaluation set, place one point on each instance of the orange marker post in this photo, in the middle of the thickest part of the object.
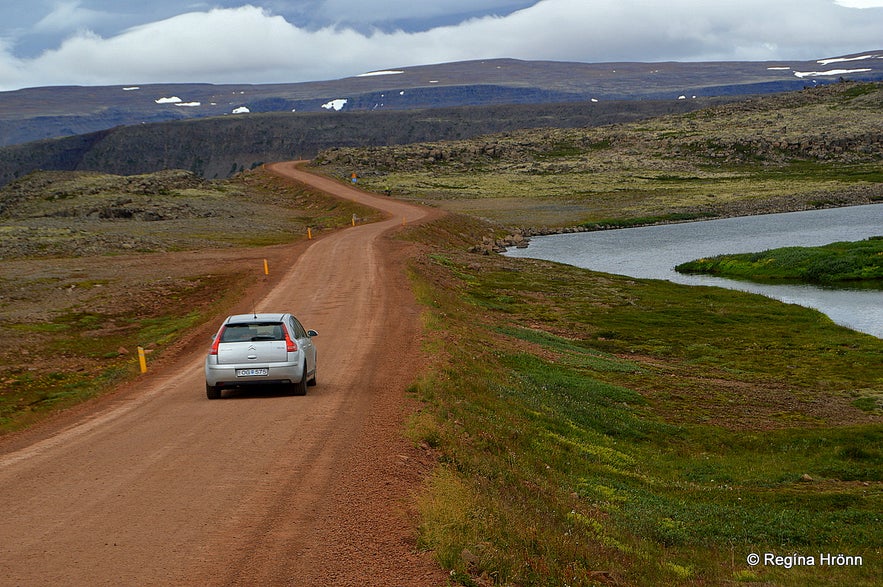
(266, 268)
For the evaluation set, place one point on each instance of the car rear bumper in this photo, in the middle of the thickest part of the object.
(225, 375)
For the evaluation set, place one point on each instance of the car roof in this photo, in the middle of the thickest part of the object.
(249, 318)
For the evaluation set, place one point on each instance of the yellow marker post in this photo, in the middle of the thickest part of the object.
(309, 233)
(354, 219)
(266, 268)
(142, 360)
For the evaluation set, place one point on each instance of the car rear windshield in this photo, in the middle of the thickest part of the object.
(253, 331)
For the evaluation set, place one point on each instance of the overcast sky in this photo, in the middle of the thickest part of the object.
(130, 42)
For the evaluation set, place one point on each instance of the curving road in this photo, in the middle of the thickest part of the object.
(158, 485)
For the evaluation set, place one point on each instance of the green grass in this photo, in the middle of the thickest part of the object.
(848, 263)
(27, 396)
(79, 355)
(592, 428)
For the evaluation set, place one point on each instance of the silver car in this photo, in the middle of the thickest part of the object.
(261, 349)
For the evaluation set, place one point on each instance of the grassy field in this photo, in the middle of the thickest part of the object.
(845, 264)
(802, 150)
(594, 429)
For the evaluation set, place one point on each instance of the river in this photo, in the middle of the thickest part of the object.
(653, 252)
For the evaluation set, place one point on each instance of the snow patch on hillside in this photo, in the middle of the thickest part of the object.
(843, 59)
(830, 72)
(384, 72)
(335, 104)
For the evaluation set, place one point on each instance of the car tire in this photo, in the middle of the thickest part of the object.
(300, 388)
(212, 391)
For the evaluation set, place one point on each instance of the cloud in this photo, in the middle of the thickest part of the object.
(611, 30)
(860, 3)
(355, 12)
(70, 16)
(249, 44)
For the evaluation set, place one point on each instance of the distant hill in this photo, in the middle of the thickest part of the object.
(39, 113)
(216, 131)
(221, 146)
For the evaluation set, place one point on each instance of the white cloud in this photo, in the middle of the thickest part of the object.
(860, 3)
(70, 16)
(252, 45)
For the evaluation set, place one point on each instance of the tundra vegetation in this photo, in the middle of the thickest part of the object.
(586, 428)
(810, 149)
(595, 429)
(848, 264)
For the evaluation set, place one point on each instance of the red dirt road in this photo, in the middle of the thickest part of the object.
(159, 486)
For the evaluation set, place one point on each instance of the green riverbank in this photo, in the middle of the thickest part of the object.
(594, 429)
(845, 263)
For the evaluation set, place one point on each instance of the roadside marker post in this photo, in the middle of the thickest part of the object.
(142, 360)
(309, 233)
(266, 268)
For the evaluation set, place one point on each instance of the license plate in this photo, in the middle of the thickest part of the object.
(252, 372)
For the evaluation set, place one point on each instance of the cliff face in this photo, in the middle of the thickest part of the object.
(219, 147)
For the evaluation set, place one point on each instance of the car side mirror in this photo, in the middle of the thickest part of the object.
(312, 333)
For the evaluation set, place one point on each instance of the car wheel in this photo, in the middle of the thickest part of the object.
(300, 388)
(212, 391)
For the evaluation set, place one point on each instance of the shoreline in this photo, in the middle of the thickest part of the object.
(519, 237)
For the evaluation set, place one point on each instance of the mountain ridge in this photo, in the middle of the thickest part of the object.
(33, 114)
(216, 147)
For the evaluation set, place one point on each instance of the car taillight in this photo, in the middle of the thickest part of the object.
(216, 342)
(290, 345)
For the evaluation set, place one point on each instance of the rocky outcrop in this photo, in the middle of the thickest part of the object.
(490, 245)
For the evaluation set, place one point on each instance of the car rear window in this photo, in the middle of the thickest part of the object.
(253, 331)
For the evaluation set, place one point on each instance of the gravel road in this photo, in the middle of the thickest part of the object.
(156, 485)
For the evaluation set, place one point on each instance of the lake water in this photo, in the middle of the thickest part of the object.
(653, 252)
